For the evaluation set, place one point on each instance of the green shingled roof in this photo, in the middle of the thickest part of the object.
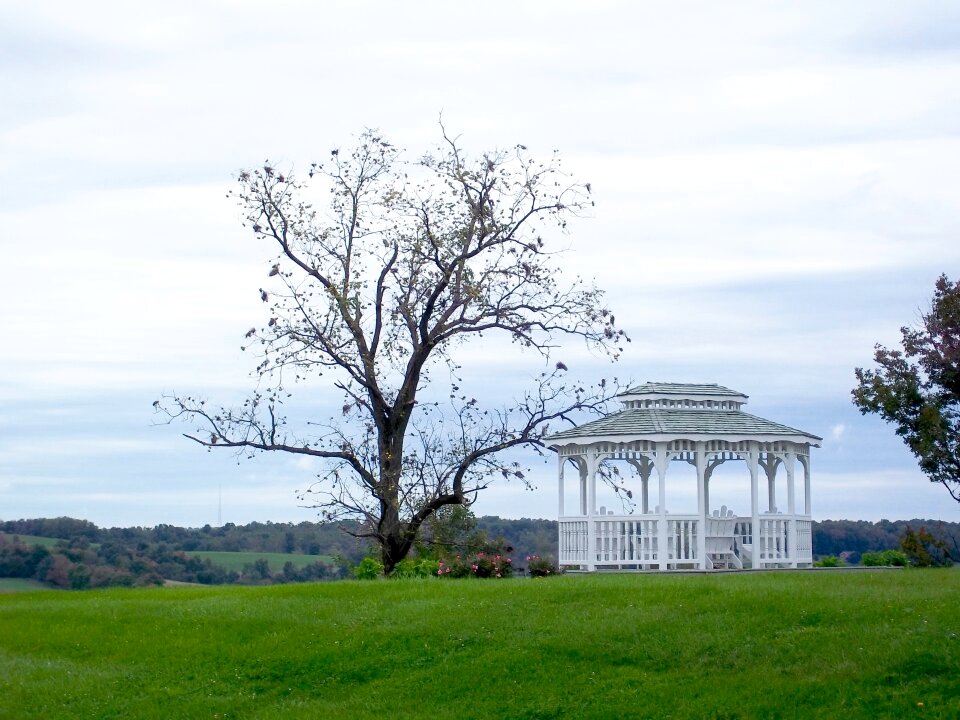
(680, 423)
(682, 390)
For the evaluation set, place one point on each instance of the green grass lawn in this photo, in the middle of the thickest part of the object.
(236, 560)
(765, 645)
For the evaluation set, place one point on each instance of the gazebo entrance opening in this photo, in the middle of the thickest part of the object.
(687, 432)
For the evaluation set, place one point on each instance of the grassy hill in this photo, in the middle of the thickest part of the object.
(750, 645)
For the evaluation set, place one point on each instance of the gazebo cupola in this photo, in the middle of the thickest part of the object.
(704, 425)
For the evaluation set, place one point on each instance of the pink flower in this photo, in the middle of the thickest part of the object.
(499, 575)
(509, 560)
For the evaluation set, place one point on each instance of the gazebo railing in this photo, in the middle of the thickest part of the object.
(574, 545)
(804, 540)
(774, 538)
(633, 541)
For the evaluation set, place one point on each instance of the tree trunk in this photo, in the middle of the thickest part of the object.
(394, 537)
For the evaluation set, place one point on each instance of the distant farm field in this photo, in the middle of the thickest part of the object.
(34, 539)
(237, 560)
(747, 645)
(9, 585)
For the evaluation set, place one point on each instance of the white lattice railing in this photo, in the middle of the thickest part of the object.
(573, 542)
(804, 541)
(776, 546)
(634, 540)
(628, 540)
(682, 538)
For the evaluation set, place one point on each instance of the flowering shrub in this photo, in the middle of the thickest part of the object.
(481, 565)
(541, 567)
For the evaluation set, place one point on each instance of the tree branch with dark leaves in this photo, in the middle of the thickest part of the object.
(917, 388)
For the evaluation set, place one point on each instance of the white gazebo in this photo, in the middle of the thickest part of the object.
(702, 425)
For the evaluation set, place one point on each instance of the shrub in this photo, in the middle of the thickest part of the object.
(420, 567)
(829, 561)
(923, 549)
(481, 565)
(884, 558)
(541, 567)
(368, 569)
(896, 557)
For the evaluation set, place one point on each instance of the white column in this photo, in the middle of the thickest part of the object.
(707, 474)
(563, 462)
(771, 471)
(753, 458)
(582, 467)
(788, 463)
(646, 467)
(591, 466)
(701, 458)
(806, 487)
(643, 466)
(662, 461)
(791, 509)
(592, 476)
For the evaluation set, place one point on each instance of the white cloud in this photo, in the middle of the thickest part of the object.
(305, 463)
(24, 451)
(877, 494)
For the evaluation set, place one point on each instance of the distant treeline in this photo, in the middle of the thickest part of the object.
(77, 564)
(304, 538)
(852, 538)
(525, 536)
(89, 556)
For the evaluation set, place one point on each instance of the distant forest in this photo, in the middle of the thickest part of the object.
(90, 556)
(526, 537)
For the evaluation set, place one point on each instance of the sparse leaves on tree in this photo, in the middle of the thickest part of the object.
(409, 260)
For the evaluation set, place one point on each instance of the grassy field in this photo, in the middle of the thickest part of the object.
(48, 542)
(788, 645)
(236, 560)
(10, 585)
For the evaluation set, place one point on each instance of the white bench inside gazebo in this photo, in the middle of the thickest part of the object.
(703, 425)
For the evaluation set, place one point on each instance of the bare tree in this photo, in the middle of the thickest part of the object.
(411, 259)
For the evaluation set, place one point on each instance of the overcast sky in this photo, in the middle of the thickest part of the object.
(777, 188)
